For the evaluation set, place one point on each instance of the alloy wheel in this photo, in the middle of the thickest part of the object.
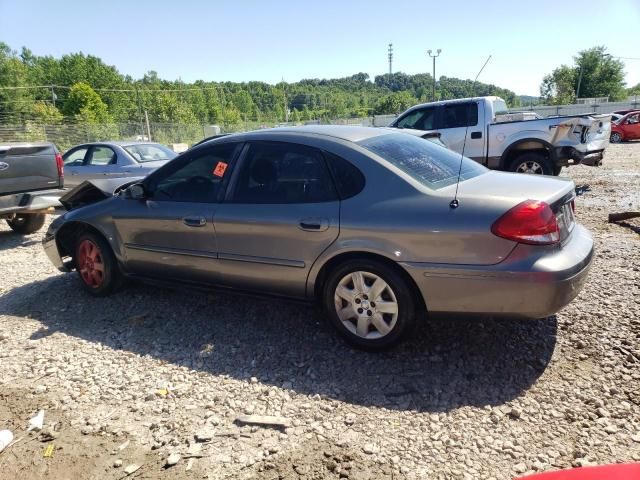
(616, 137)
(530, 167)
(90, 264)
(366, 305)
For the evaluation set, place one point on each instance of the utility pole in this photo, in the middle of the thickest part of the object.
(434, 70)
(390, 59)
(146, 119)
(579, 82)
(53, 96)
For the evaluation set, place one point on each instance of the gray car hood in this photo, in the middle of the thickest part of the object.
(92, 191)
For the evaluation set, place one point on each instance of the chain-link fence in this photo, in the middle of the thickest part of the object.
(65, 135)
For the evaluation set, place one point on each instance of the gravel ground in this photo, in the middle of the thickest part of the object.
(149, 372)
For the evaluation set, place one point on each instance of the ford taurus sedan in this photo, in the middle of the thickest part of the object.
(113, 160)
(365, 221)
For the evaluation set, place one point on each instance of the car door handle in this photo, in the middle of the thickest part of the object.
(194, 221)
(73, 172)
(475, 135)
(314, 224)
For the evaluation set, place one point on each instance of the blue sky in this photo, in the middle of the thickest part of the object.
(270, 40)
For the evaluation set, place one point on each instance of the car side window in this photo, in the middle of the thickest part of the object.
(348, 178)
(197, 179)
(100, 156)
(278, 172)
(422, 119)
(75, 158)
(457, 115)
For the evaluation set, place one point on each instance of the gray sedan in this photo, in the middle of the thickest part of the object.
(370, 223)
(114, 160)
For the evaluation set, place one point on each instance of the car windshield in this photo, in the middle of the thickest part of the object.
(149, 152)
(431, 165)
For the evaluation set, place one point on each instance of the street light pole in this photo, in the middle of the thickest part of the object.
(434, 70)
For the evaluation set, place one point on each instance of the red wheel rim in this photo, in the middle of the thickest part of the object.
(90, 264)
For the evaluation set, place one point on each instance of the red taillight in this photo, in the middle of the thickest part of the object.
(60, 165)
(529, 222)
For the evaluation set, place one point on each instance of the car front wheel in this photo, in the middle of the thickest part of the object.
(370, 304)
(96, 265)
(615, 137)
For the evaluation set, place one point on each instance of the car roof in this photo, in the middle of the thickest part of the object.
(454, 100)
(116, 143)
(351, 133)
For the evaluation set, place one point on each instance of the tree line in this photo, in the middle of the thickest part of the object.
(82, 88)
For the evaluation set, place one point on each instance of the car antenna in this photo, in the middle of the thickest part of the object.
(454, 203)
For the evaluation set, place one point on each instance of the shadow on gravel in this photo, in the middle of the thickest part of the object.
(448, 364)
(9, 240)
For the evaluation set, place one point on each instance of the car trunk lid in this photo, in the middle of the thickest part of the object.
(506, 190)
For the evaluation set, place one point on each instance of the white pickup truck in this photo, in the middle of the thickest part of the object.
(511, 142)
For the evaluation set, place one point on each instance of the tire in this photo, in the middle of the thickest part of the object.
(532, 163)
(556, 171)
(27, 223)
(91, 251)
(348, 287)
(615, 138)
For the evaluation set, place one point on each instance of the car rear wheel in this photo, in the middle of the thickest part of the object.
(532, 163)
(370, 304)
(615, 137)
(26, 224)
(96, 265)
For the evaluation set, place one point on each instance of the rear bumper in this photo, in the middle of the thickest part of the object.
(533, 282)
(29, 202)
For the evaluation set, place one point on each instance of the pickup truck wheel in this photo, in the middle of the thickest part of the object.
(370, 304)
(615, 137)
(532, 163)
(27, 223)
(96, 265)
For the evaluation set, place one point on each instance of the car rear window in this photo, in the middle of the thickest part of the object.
(147, 152)
(431, 165)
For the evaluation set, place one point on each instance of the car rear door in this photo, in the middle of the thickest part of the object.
(170, 234)
(281, 212)
(100, 160)
(453, 120)
(27, 168)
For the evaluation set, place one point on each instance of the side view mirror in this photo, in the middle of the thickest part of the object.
(136, 192)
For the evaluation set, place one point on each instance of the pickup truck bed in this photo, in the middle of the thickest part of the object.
(31, 181)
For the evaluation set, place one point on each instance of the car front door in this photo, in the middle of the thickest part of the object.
(281, 212)
(631, 127)
(169, 234)
(73, 164)
(453, 121)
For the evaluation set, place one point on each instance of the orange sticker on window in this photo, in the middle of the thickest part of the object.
(221, 167)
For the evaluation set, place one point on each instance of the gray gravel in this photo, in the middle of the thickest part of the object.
(170, 371)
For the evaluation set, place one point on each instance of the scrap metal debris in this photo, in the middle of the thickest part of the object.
(264, 420)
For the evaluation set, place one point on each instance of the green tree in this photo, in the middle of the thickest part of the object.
(634, 90)
(86, 105)
(597, 73)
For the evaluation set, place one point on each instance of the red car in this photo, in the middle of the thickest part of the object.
(629, 471)
(627, 128)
